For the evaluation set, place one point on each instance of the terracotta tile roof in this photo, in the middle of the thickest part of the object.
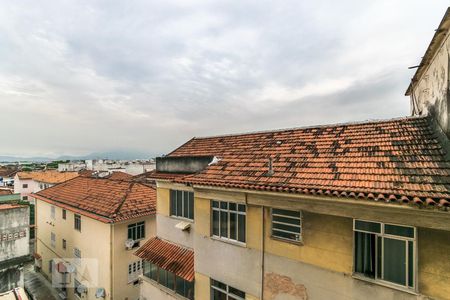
(50, 176)
(6, 206)
(102, 199)
(5, 192)
(152, 175)
(169, 256)
(399, 160)
(118, 175)
(7, 172)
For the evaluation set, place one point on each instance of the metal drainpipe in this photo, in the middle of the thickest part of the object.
(262, 251)
(111, 262)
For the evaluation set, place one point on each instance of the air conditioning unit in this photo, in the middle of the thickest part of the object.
(82, 289)
(184, 226)
(129, 244)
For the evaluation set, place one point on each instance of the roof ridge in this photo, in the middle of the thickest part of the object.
(372, 121)
(114, 214)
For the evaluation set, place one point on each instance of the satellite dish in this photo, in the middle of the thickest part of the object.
(70, 268)
(81, 289)
(129, 243)
(100, 293)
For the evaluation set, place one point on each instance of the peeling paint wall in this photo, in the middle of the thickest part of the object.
(430, 93)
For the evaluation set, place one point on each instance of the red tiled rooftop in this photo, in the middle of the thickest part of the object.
(168, 256)
(118, 175)
(6, 206)
(48, 176)
(5, 192)
(103, 199)
(394, 160)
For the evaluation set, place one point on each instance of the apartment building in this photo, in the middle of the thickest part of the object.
(14, 247)
(26, 183)
(87, 231)
(345, 211)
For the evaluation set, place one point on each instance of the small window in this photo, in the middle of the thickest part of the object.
(134, 270)
(136, 231)
(52, 212)
(286, 224)
(50, 266)
(77, 256)
(77, 222)
(221, 291)
(52, 240)
(182, 204)
(64, 244)
(228, 219)
(64, 214)
(25, 198)
(25, 185)
(385, 252)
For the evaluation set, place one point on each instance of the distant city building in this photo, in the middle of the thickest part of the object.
(26, 183)
(14, 244)
(132, 167)
(92, 226)
(7, 176)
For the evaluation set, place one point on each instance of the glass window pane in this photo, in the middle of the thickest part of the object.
(223, 224)
(368, 226)
(215, 203)
(191, 206)
(185, 204)
(179, 286)
(379, 255)
(216, 223)
(291, 213)
(173, 203)
(223, 205)
(162, 278)
(411, 264)
(189, 289)
(394, 262)
(170, 280)
(399, 230)
(233, 227)
(241, 207)
(286, 227)
(286, 220)
(153, 272)
(286, 235)
(179, 206)
(233, 206)
(216, 295)
(365, 253)
(241, 228)
(236, 292)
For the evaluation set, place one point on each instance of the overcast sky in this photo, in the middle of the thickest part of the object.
(84, 76)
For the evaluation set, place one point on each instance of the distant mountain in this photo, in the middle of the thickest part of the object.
(119, 154)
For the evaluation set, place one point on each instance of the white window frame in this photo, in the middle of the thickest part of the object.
(134, 270)
(75, 222)
(77, 256)
(184, 202)
(227, 210)
(382, 234)
(137, 228)
(300, 218)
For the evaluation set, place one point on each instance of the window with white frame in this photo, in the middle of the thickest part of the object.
(52, 240)
(182, 204)
(228, 219)
(136, 231)
(77, 222)
(134, 270)
(221, 291)
(76, 289)
(287, 224)
(77, 256)
(52, 212)
(385, 252)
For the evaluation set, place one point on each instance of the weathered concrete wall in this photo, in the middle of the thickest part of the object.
(430, 93)
(434, 263)
(14, 221)
(190, 164)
